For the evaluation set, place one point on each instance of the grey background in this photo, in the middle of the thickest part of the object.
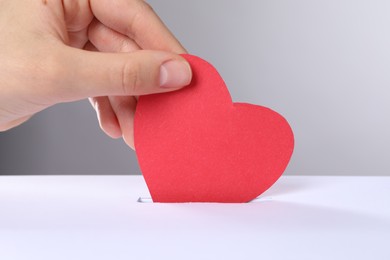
(324, 65)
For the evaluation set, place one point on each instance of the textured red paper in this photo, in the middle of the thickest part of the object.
(195, 145)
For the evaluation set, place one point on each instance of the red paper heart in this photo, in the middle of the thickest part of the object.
(195, 145)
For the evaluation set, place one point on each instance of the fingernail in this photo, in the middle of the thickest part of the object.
(175, 74)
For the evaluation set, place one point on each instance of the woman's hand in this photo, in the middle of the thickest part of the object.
(54, 51)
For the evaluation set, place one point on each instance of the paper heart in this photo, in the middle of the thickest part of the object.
(195, 145)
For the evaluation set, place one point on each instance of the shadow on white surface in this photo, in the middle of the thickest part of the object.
(99, 218)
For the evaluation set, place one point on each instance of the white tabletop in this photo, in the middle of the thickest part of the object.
(98, 217)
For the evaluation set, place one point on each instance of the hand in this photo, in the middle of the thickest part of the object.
(54, 51)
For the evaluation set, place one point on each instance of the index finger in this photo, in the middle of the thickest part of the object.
(137, 20)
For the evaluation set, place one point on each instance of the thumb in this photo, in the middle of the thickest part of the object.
(91, 74)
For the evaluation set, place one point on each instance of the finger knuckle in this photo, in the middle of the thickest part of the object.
(131, 81)
(106, 125)
(146, 7)
(141, 9)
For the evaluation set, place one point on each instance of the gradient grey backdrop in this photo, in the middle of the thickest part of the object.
(324, 65)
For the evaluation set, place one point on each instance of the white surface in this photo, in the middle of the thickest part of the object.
(98, 217)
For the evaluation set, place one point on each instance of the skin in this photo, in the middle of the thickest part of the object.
(54, 51)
